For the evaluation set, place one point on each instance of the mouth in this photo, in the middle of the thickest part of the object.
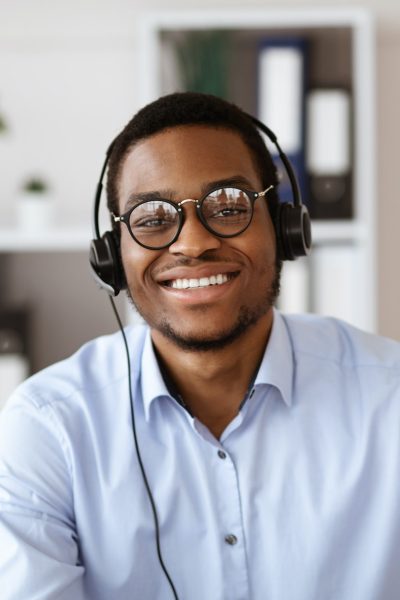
(202, 282)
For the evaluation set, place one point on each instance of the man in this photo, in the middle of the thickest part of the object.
(269, 444)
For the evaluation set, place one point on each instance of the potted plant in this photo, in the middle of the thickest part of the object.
(34, 205)
(3, 124)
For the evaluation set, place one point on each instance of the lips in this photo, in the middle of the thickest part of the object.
(185, 278)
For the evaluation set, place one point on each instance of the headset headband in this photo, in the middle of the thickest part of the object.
(292, 226)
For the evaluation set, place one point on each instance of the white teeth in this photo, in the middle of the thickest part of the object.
(182, 284)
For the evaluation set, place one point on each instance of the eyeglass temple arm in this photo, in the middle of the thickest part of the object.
(265, 192)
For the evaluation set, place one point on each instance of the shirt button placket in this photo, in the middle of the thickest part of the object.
(235, 563)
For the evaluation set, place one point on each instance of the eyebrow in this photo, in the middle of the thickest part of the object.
(136, 197)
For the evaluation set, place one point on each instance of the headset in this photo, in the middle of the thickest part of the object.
(293, 233)
(292, 227)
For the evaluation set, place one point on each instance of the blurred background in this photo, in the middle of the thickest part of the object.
(325, 77)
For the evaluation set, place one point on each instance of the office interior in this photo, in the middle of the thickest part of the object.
(73, 73)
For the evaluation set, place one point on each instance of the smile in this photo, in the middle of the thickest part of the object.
(183, 284)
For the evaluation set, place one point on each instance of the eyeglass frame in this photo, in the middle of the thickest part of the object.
(253, 196)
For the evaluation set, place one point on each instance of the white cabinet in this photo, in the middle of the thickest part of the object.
(339, 278)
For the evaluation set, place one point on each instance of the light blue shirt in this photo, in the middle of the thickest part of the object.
(298, 500)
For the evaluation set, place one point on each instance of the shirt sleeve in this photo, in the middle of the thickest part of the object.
(39, 549)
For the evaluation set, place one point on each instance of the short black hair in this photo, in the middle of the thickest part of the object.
(191, 108)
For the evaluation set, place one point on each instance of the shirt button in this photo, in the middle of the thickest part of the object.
(221, 454)
(231, 539)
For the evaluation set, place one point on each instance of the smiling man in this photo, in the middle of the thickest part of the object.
(265, 456)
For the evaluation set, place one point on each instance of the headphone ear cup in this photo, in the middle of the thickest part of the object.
(104, 258)
(293, 231)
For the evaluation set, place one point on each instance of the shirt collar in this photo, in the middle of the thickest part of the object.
(277, 365)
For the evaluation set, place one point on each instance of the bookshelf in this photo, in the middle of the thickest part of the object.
(48, 273)
(340, 276)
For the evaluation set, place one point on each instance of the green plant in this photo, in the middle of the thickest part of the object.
(3, 124)
(203, 58)
(35, 185)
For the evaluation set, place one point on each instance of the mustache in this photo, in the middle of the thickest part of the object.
(187, 261)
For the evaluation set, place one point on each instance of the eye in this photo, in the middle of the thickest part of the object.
(152, 223)
(227, 212)
(153, 215)
(226, 204)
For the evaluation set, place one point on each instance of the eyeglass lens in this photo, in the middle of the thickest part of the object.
(227, 211)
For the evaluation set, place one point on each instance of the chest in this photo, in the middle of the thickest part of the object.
(276, 509)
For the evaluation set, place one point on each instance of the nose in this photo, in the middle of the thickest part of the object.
(194, 239)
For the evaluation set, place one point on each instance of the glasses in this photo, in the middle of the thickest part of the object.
(224, 212)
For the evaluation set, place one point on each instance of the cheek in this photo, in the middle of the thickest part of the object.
(271, 242)
(135, 259)
(262, 242)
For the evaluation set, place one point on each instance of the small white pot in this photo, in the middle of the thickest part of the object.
(34, 212)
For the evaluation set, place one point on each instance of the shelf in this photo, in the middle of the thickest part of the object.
(252, 19)
(63, 240)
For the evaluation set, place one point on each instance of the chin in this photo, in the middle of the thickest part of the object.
(191, 339)
(210, 341)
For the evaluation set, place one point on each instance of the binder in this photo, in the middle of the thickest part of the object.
(328, 157)
(282, 68)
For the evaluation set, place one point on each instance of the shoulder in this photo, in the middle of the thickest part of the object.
(95, 367)
(69, 412)
(333, 340)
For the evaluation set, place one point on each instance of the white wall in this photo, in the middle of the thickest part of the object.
(68, 81)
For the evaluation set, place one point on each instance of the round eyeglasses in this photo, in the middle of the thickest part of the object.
(156, 223)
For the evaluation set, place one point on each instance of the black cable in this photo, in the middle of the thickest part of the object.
(139, 457)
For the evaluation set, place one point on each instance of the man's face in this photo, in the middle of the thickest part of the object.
(185, 162)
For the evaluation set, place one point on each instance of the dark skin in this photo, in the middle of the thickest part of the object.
(183, 162)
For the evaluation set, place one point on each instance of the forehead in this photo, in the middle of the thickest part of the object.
(185, 156)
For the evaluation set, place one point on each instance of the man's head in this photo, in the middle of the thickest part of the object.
(181, 147)
(191, 108)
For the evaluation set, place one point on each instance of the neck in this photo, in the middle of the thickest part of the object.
(213, 384)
